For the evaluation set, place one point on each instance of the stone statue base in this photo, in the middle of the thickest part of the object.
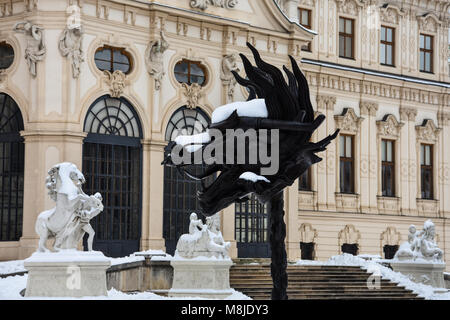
(68, 273)
(205, 278)
(429, 273)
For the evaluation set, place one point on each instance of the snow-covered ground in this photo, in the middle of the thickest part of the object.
(425, 291)
(10, 290)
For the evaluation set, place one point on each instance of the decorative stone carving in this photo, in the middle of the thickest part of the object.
(348, 121)
(203, 4)
(390, 13)
(389, 126)
(390, 237)
(349, 235)
(389, 205)
(229, 64)
(427, 132)
(193, 94)
(428, 22)
(69, 220)
(348, 6)
(70, 46)
(154, 59)
(368, 108)
(3, 76)
(325, 102)
(420, 258)
(36, 49)
(307, 233)
(420, 245)
(203, 240)
(408, 114)
(116, 81)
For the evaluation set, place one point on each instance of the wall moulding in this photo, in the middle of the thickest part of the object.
(428, 132)
(348, 122)
(389, 127)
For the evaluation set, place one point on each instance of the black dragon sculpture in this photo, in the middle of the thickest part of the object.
(289, 111)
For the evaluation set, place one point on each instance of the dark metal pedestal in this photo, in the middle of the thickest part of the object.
(279, 257)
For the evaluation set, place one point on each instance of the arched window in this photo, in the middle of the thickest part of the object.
(112, 165)
(187, 71)
(6, 55)
(180, 192)
(12, 150)
(251, 229)
(112, 59)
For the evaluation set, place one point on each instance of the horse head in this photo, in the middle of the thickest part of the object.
(64, 178)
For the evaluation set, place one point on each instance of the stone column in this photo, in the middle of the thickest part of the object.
(154, 197)
(369, 152)
(408, 161)
(228, 229)
(326, 169)
(444, 163)
(43, 149)
(292, 223)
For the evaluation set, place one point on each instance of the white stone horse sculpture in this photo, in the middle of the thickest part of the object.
(69, 220)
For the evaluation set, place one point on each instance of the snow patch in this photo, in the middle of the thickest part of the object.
(13, 266)
(250, 176)
(253, 108)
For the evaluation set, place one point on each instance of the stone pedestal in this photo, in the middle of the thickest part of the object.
(428, 273)
(69, 273)
(205, 278)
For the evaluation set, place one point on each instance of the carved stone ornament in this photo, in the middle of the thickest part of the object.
(389, 126)
(70, 46)
(229, 64)
(427, 132)
(203, 240)
(69, 220)
(420, 245)
(349, 235)
(203, 4)
(390, 237)
(116, 81)
(193, 94)
(348, 121)
(3, 76)
(390, 14)
(429, 22)
(348, 6)
(36, 49)
(154, 59)
(307, 233)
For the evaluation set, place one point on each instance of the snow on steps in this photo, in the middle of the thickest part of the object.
(315, 282)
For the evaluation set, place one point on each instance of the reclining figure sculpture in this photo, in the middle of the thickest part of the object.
(288, 112)
(420, 245)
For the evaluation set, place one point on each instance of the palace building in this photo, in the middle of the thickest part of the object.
(106, 84)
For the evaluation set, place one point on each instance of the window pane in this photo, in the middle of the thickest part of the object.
(428, 155)
(389, 34)
(342, 146)
(305, 16)
(422, 60)
(383, 150)
(348, 47)
(341, 46)
(389, 55)
(427, 61)
(422, 41)
(348, 26)
(348, 147)
(383, 33)
(341, 25)
(422, 154)
(389, 151)
(383, 53)
(428, 43)
(122, 67)
(196, 70)
(120, 57)
(104, 54)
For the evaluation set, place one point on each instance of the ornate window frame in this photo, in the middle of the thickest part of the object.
(349, 9)
(308, 235)
(391, 237)
(349, 234)
(428, 133)
(389, 129)
(349, 124)
(428, 25)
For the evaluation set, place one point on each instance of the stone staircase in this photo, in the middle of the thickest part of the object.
(314, 282)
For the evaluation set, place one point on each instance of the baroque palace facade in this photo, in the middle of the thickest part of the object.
(105, 84)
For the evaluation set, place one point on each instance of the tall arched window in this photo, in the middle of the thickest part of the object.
(12, 150)
(180, 192)
(112, 165)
